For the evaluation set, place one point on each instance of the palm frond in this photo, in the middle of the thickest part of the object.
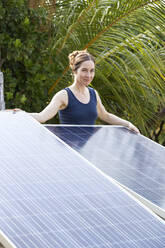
(127, 38)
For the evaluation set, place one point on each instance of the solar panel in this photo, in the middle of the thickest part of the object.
(51, 197)
(133, 160)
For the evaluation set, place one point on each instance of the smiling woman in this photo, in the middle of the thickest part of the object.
(80, 104)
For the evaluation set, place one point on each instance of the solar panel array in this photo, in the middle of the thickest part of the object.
(51, 197)
(133, 160)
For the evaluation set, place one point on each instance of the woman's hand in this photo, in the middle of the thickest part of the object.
(133, 128)
(14, 110)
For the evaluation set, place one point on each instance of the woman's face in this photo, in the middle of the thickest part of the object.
(85, 73)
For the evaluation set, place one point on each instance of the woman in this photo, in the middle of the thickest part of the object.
(80, 104)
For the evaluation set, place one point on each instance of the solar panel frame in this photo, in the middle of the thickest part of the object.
(5, 241)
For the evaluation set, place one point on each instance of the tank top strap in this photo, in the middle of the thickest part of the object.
(70, 93)
(71, 97)
(92, 94)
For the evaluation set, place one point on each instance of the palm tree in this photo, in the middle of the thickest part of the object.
(127, 38)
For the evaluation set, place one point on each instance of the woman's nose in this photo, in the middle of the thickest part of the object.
(89, 74)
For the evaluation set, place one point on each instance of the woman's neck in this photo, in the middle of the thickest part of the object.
(78, 87)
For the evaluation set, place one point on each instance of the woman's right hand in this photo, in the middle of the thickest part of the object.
(15, 110)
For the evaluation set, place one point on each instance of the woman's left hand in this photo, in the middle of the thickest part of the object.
(133, 128)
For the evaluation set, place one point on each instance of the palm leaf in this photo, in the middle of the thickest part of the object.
(127, 38)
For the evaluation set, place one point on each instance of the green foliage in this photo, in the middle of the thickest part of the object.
(126, 37)
(25, 42)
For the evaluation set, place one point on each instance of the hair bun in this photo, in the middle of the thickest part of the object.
(77, 57)
(72, 57)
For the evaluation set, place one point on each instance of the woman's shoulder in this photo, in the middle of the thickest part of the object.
(61, 95)
(93, 90)
(62, 92)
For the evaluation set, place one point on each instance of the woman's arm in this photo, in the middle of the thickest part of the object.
(59, 101)
(112, 119)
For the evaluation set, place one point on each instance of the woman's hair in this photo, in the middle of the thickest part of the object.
(78, 57)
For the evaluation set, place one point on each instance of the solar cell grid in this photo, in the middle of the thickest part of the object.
(52, 197)
(133, 160)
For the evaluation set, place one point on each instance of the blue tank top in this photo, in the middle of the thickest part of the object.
(79, 113)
